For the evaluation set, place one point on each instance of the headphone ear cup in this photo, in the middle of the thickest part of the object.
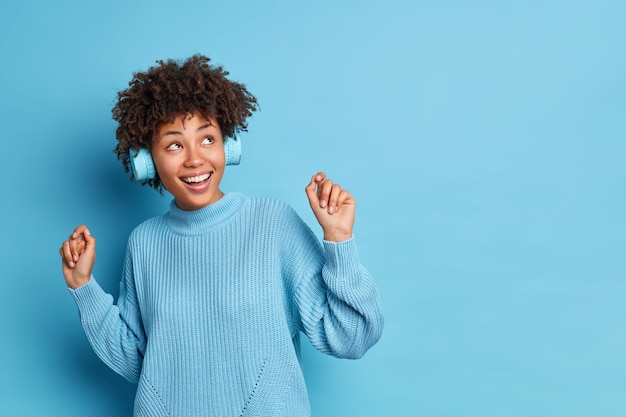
(232, 150)
(142, 164)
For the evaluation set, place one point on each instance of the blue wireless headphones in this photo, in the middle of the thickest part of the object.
(143, 166)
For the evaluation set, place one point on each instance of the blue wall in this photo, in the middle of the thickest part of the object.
(485, 143)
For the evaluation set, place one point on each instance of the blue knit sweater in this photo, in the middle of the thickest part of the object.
(212, 303)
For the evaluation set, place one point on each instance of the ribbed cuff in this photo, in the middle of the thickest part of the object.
(342, 257)
(91, 299)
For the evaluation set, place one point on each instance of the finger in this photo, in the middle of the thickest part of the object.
(85, 264)
(66, 268)
(345, 199)
(78, 231)
(324, 189)
(66, 254)
(333, 198)
(320, 176)
(77, 247)
(62, 257)
(311, 188)
(90, 240)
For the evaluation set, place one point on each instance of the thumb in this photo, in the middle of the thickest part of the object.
(90, 242)
(311, 191)
(85, 264)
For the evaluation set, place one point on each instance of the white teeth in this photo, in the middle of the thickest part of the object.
(198, 178)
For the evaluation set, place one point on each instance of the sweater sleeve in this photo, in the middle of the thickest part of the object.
(335, 298)
(114, 331)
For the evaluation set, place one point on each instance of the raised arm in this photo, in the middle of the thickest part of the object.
(115, 331)
(336, 299)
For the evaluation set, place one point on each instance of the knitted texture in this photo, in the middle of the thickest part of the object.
(212, 303)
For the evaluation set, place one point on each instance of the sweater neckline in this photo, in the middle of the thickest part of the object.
(195, 222)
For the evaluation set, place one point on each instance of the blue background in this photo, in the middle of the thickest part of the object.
(484, 142)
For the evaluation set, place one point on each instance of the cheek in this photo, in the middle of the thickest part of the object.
(217, 159)
(165, 168)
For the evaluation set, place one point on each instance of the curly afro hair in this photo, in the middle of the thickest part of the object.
(172, 89)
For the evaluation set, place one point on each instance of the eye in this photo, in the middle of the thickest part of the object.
(208, 140)
(174, 147)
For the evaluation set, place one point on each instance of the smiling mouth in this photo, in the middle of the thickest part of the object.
(197, 179)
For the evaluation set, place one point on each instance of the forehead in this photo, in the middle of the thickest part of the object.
(184, 123)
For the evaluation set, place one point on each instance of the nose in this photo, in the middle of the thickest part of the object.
(194, 157)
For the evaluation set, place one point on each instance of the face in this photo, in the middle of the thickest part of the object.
(188, 155)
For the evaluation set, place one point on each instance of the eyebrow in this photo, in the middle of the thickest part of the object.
(176, 132)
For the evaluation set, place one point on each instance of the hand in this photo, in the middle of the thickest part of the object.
(334, 207)
(78, 255)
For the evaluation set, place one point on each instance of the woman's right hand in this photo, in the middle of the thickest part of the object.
(78, 254)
